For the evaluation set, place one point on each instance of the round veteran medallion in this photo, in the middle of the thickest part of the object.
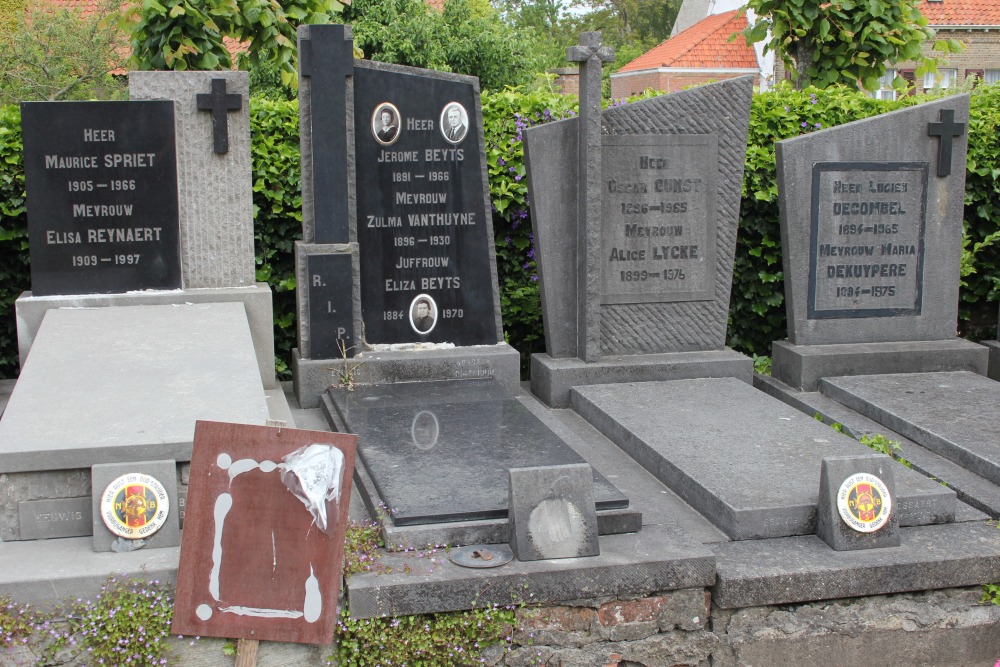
(864, 502)
(134, 506)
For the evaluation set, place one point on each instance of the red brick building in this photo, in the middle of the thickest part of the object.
(702, 53)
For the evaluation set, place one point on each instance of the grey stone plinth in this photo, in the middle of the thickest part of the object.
(214, 191)
(951, 414)
(313, 377)
(802, 366)
(47, 573)
(551, 512)
(795, 569)
(552, 379)
(109, 384)
(656, 559)
(994, 365)
(165, 472)
(256, 299)
(747, 462)
(831, 528)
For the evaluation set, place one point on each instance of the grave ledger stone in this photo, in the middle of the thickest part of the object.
(872, 238)
(397, 252)
(647, 212)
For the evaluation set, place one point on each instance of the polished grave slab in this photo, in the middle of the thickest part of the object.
(439, 451)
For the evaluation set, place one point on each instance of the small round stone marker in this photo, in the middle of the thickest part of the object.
(481, 556)
(135, 506)
(864, 502)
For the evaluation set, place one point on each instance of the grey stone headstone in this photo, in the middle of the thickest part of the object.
(835, 492)
(671, 176)
(552, 512)
(57, 517)
(216, 197)
(871, 227)
(165, 472)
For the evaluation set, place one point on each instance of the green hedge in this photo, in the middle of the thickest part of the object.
(757, 310)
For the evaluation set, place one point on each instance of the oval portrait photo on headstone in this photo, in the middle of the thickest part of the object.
(134, 506)
(424, 430)
(864, 502)
(386, 123)
(454, 122)
(423, 314)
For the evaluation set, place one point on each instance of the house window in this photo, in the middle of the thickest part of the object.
(974, 77)
(943, 78)
(991, 76)
(885, 90)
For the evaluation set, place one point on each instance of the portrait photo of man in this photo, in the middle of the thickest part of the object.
(385, 123)
(423, 314)
(454, 122)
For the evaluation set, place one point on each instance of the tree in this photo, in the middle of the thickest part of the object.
(466, 37)
(844, 41)
(188, 34)
(55, 53)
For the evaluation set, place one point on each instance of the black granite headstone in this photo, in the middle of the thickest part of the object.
(331, 315)
(423, 231)
(101, 182)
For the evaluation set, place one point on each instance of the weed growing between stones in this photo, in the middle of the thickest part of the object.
(361, 543)
(429, 640)
(16, 623)
(991, 594)
(884, 445)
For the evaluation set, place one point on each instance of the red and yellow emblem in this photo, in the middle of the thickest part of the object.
(134, 506)
(864, 502)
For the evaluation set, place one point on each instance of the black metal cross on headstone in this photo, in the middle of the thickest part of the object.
(220, 103)
(591, 55)
(326, 58)
(945, 131)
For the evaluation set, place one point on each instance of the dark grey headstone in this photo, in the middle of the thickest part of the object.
(58, 517)
(552, 512)
(952, 414)
(330, 317)
(746, 461)
(101, 183)
(440, 451)
(872, 230)
(424, 228)
(863, 502)
(165, 472)
(671, 178)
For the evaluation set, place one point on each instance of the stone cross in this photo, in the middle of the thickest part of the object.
(220, 103)
(327, 58)
(591, 55)
(946, 131)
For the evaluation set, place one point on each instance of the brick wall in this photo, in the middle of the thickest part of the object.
(667, 81)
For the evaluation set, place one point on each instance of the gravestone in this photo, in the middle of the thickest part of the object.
(994, 363)
(141, 191)
(551, 512)
(857, 503)
(397, 251)
(872, 240)
(635, 211)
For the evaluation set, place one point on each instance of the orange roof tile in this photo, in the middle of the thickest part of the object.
(961, 12)
(704, 45)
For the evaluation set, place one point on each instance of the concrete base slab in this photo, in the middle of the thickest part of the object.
(993, 371)
(747, 462)
(312, 377)
(802, 366)
(256, 299)
(753, 573)
(104, 385)
(947, 413)
(973, 490)
(552, 379)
